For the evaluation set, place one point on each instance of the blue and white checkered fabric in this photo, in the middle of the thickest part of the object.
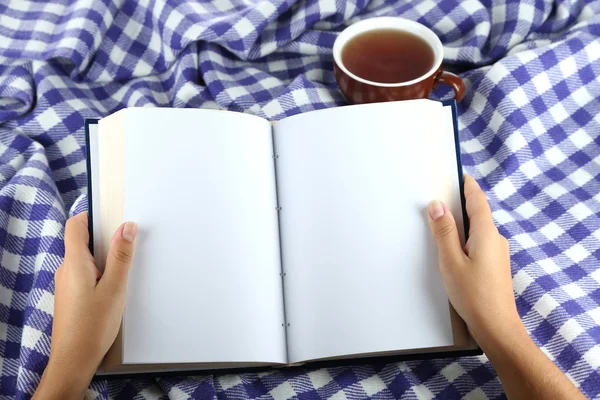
(530, 134)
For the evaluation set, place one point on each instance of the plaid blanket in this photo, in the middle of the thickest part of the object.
(529, 126)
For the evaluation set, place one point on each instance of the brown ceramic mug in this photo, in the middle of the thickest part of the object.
(359, 90)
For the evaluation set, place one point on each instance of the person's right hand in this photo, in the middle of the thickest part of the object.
(477, 278)
(479, 286)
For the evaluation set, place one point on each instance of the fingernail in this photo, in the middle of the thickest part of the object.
(436, 209)
(129, 231)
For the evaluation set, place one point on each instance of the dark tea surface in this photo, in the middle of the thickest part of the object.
(387, 56)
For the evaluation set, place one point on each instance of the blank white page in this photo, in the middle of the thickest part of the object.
(361, 266)
(204, 285)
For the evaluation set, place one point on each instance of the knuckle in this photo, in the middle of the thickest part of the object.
(69, 225)
(59, 272)
(480, 197)
(121, 255)
(444, 230)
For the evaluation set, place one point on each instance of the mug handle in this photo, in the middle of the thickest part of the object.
(454, 82)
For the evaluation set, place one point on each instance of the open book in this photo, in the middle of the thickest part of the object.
(266, 244)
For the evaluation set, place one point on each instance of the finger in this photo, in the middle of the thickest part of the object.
(78, 260)
(118, 260)
(77, 237)
(443, 228)
(478, 208)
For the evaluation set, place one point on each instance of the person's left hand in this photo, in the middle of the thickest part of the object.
(88, 307)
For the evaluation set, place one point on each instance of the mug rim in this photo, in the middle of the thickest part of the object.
(402, 24)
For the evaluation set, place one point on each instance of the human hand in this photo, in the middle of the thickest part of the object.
(88, 307)
(477, 278)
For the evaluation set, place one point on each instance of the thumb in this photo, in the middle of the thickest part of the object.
(443, 228)
(118, 260)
